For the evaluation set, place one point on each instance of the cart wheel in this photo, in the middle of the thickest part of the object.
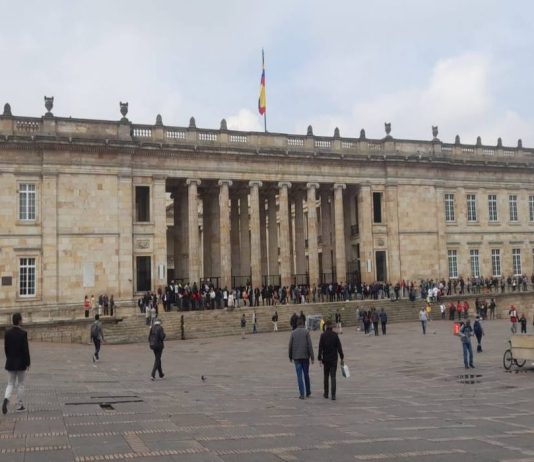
(520, 362)
(507, 360)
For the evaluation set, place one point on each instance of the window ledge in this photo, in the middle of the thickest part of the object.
(494, 223)
(514, 223)
(473, 223)
(26, 222)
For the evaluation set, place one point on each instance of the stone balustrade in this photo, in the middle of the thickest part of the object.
(73, 130)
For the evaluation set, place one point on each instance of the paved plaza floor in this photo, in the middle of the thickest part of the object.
(408, 399)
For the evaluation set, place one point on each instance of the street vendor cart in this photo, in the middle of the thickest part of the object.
(520, 350)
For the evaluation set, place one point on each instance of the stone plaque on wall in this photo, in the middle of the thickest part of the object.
(89, 274)
(7, 280)
(142, 244)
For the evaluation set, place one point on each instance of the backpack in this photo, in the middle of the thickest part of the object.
(94, 330)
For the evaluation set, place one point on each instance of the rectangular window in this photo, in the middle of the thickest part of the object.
(516, 262)
(512, 202)
(531, 208)
(471, 207)
(27, 277)
(453, 263)
(492, 207)
(377, 207)
(475, 263)
(496, 262)
(142, 203)
(449, 207)
(27, 201)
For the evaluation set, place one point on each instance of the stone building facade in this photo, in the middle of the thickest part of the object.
(93, 206)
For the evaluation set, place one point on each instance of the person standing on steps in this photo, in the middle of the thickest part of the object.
(17, 362)
(156, 338)
(301, 352)
(254, 321)
(329, 348)
(97, 336)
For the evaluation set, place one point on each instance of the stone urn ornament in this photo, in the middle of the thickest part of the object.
(124, 111)
(362, 134)
(7, 110)
(387, 126)
(49, 104)
(435, 132)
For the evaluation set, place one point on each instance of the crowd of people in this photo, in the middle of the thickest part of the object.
(103, 305)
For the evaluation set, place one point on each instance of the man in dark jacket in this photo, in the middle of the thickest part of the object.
(17, 361)
(300, 352)
(155, 339)
(329, 348)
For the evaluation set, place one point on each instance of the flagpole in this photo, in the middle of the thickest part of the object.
(265, 113)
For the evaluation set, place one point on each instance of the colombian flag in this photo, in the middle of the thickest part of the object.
(262, 103)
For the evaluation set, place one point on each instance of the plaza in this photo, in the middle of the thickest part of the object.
(408, 399)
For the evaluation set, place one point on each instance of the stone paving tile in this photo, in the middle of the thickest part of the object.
(106, 444)
(64, 455)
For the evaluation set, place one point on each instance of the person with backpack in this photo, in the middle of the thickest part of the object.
(156, 338)
(465, 333)
(479, 332)
(97, 336)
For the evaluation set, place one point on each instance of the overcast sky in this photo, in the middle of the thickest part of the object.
(464, 65)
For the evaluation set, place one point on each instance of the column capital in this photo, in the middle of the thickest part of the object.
(340, 185)
(257, 183)
(281, 184)
(191, 181)
(223, 182)
(312, 185)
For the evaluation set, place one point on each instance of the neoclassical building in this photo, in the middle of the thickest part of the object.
(96, 206)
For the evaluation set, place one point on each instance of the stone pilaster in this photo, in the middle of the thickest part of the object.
(313, 253)
(244, 234)
(50, 291)
(285, 263)
(273, 235)
(160, 233)
(366, 234)
(339, 225)
(255, 241)
(193, 244)
(263, 236)
(125, 227)
(224, 232)
(393, 241)
(300, 244)
(326, 231)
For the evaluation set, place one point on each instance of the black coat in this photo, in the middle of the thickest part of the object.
(16, 349)
(329, 347)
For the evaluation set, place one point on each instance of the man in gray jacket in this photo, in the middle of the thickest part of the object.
(301, 352)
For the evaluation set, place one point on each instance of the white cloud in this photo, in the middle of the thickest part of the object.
(244, 120)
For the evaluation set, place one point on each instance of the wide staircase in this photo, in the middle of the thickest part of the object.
(216, 323)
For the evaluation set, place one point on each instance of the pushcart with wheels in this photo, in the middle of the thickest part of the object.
(520, 350)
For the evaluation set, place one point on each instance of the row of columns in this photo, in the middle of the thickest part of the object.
(242, 239)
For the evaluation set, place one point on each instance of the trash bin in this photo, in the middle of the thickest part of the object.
(313, 321)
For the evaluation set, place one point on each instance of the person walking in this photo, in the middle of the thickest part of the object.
(254, 321)
(339, 327)
(479, 333)
(156, 338)
(374, 320)
(17, 362)
(466, 332)
(523, 323)
(97, 336)
(383, 320)
(513, 319)
(243, 325)
(423, 319)
(329, 349)
(301, 352)
(275, 321)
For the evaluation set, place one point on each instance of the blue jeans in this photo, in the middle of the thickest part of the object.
(423, 325)
(468, 349)
(302, 367)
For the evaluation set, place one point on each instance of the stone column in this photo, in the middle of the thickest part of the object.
(192, 208)
(326, 230)
(234, 233)
(313, 253)
(244, 234)
(341, 261)
(273, 235)
(255, 242)
(300, 244)
(207, 212)
(160, 233)
(125, 227)
(285, 262)
(50, 290)
(215, 235)
(263, 236)
(291, 236)
(224, 232)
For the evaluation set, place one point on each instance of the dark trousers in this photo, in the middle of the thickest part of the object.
(329, 369)
(375, 326)
(157, 363)
(383, 328)
(97, 343)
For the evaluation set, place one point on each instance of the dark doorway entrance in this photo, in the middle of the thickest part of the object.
(144, 274)
(381, 267)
